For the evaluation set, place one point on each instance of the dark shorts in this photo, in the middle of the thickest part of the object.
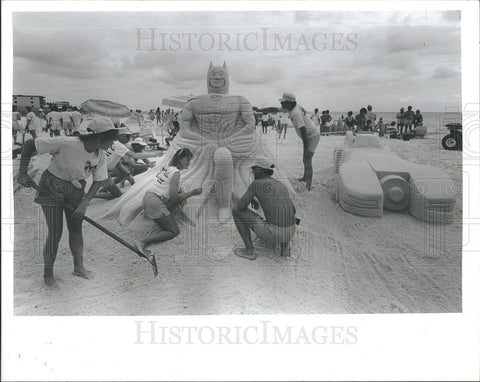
(54, 191)
(154, 206)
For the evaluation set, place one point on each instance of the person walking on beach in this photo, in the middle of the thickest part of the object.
(163, 196)
(31, 126)
(306, 130)
(16, 125)
(73, 160)
(158, 114)
(278, 227)
(265, 123)
(283, 125)
(401, 120)
(66, 120)
(53, 120)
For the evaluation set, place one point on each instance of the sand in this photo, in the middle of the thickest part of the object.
(341, 263)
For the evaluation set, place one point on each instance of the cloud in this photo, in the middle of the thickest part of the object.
(255, 74)
(422, 39)
(62, 53)
(397, 55)
(443, 72)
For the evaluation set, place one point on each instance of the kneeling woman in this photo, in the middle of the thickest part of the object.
(165, 195)
(73, 160)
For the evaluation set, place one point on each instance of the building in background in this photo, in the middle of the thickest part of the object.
(35, 101)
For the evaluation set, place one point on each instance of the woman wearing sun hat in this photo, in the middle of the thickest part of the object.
(74, 158)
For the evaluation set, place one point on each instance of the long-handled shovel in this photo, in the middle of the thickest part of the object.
(150, 258)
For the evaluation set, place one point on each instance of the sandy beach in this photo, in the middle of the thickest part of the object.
(341, 263)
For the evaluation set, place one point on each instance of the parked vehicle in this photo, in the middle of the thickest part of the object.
(453, 141)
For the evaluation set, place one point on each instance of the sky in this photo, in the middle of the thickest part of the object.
(330, 60)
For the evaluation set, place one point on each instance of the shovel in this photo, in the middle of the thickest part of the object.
(150, 258)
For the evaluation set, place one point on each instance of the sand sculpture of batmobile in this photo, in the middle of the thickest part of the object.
(371, 177)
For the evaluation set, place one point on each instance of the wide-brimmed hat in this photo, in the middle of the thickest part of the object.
(100, 125)
(139, 141)
(265, 163)
(124, 130)
(288, 97)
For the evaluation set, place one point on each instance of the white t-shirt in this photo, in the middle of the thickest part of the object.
(70, 160)
(77, 117)
(300, 118)
(32, 118)
(161, 183)
(284, 119)
(316, 119)
(114, 154)
(16, 125)
(65, 115)
(55, 116)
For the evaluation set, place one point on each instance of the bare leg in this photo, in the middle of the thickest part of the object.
(169, 231)
(111, 191)
(54, 218)
(285, 249)
(246, 220)
(307, 163)
(75, 241)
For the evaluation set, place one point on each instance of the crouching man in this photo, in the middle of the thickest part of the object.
(278, 227)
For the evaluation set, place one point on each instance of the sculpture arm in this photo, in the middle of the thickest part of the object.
(186, 116)
(246, 113)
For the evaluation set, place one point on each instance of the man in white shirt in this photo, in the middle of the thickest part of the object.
(53, 122)
(316, 118)
(66, 121)
(17, 130)
(31, 126)
(76, 118)
(306, 130)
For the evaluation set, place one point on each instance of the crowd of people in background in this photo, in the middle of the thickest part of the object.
(67, 120)
(364, 120)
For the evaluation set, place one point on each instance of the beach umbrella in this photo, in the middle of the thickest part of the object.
(106, 108)
(176, 101)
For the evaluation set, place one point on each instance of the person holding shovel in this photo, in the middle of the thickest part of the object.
(62, 184)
